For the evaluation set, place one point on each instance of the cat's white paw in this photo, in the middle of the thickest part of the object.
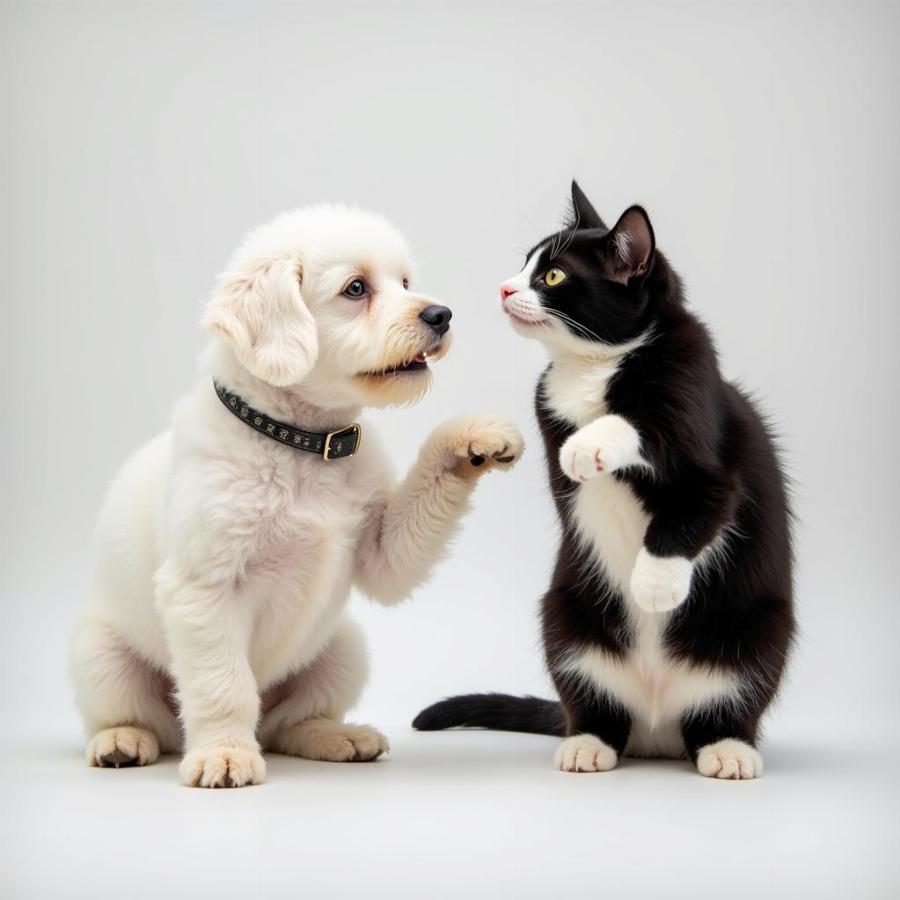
(604, 446)
(729, 759)
(660, 583)
(585, 753)
(215, 767)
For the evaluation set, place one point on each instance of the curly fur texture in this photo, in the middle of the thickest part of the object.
(215, 623)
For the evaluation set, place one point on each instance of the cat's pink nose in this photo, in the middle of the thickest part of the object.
(506, 291)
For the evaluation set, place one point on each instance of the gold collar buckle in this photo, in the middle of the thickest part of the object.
(342, 443)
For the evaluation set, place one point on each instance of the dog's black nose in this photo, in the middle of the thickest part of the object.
(436, 317)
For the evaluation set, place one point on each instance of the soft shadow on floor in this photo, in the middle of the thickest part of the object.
(464, 754)
(813, 756)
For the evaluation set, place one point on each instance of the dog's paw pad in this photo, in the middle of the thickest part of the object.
(585, 753)
(730, 759)
(479, 443)
(497, 442)
(123, 746)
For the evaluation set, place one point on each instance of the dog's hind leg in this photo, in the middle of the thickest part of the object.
(126, 705)
(303, 716)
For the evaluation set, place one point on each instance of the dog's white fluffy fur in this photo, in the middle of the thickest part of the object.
(215, 622)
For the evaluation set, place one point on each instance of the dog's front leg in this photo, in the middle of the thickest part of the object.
(208, 635)
(408, 529)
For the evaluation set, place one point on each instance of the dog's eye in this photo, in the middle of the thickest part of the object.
(554, 277)
(356, 290)
(406, 283)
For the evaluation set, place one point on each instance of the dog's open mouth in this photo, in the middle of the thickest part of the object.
(417, 364)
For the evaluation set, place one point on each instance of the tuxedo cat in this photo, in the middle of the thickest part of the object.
(669, 618)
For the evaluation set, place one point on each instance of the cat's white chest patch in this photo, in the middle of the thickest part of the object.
(575, 388)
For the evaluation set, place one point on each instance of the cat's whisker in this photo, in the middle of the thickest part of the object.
(561, 248)
(571, 236)
(554, 244)
(566, 244)
(585, 331)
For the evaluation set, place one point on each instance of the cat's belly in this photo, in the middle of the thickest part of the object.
(655, 688)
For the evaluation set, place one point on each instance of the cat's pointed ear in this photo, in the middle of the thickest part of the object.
(630, 246)
(582, 214)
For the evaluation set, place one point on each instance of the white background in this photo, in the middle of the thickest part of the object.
(140, 141)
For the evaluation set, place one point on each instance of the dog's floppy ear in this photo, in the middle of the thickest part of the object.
(262, 315)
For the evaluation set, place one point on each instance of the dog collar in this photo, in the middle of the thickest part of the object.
(330, 445)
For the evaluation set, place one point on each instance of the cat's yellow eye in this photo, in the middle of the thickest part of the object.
(553, 277)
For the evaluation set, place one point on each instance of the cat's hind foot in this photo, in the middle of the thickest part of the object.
(585, 753)
(729, 759)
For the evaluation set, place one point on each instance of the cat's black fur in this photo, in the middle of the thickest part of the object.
(714, 465)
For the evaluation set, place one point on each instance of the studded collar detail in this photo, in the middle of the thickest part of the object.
(329, 445)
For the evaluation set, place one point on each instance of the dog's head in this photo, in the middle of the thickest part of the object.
(324, 298)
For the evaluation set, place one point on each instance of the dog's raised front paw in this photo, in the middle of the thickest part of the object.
(605, 445)
(472, 445)
(660, 583)
(215, 767)
(729, 759)
(125, 745)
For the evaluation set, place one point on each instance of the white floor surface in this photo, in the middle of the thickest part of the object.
(459, 814)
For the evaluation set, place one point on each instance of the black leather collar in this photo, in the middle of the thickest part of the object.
(330, 445)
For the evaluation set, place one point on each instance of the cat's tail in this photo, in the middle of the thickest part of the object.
(500, 712)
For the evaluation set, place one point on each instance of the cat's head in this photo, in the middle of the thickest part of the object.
(583, 287)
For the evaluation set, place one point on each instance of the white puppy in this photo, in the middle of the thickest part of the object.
(227, 551)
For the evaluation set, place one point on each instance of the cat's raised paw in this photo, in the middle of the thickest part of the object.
(660, 583)
(585, 753)
(580, 460)
(605, 445)
(729, 759)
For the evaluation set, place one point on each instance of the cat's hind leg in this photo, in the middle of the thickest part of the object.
(722, 742)
(597, 729)
(304, 715)
(126, 705)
